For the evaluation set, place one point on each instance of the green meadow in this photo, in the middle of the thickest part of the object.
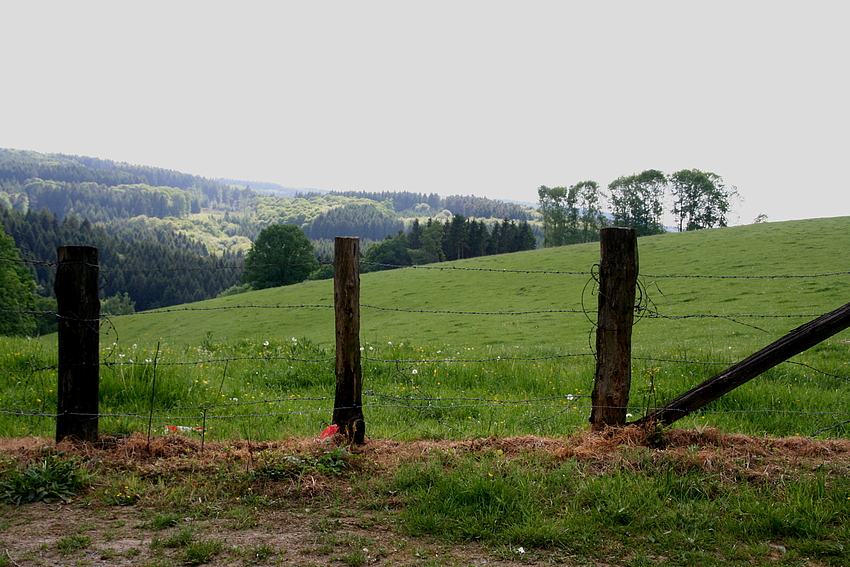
(493, 346)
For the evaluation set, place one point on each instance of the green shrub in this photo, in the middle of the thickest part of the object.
(49, 480)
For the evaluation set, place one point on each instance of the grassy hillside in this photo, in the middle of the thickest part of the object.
(775, 249)
(508, 353)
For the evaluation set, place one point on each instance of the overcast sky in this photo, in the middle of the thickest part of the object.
(488, 98)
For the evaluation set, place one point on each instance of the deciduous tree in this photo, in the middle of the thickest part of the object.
(16, 291)
(700, 199)
(637, 201)
(281, 255)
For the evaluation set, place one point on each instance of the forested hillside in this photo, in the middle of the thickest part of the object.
(154, 226)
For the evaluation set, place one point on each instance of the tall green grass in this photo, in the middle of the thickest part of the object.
(455, 352)
(662, 509)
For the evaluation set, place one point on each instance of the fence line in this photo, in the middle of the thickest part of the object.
(450, 268)
(648, 313)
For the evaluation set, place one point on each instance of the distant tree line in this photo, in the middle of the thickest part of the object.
(456, 239)
(19, 168)
(156, 268)
(371, 221)
(418, 204)
(167, 237)
(482, 208)
(574, 214)
(401, 200)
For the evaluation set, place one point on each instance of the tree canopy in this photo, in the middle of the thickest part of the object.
(637, 201)
(700, 199)
(16, 291)
(281, 255)
(571, 214)
(456, 239)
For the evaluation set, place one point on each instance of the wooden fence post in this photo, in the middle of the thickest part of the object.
(618, 270)
(348, 405)
(79, 343)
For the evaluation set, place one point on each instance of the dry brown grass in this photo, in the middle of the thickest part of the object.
(625, 447)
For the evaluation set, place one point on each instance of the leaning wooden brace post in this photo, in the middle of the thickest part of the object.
(618, 270)
(348, 409)
(79, 343)
(800, 339)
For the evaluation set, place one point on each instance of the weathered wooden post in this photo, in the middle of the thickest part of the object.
(79, 343)
(618, 270)
(348, 408)
(800, 339)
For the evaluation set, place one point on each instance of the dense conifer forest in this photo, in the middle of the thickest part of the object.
(167, 237)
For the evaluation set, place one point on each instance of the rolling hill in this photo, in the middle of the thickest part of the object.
(736, 287)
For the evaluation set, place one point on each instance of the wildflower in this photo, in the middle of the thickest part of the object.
(520, 550)
(415, 371)
(265, 343)
(294, 340)
(570, 397)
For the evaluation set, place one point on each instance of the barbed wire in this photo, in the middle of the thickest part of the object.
(655, 314)
(754, 277)
(421, 405)
(419, 402)
(647, 313)
(410, 362)
(224, 308)
(452, 312)
(106, 270)
(411, 403)
(463, 269)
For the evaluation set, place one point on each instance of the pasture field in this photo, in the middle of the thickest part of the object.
(494, 346)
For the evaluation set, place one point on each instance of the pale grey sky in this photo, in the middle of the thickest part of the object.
(489, 98)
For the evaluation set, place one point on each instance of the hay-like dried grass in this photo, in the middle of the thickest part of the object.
(730, 455)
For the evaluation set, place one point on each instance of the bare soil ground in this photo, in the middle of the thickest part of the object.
(320, 519)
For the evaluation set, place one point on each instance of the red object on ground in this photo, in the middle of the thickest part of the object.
(329, 431)
(176, 428)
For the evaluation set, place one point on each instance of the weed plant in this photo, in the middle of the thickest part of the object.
(50, 479)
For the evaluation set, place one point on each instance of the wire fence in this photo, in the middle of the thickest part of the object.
(398, 395)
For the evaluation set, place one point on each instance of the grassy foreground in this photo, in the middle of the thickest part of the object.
(617, 498)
